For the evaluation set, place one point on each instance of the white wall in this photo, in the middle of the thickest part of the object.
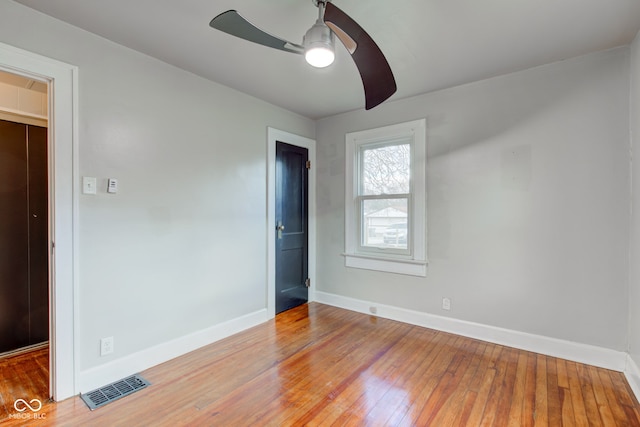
(182, 246)
(527, 202)
(634, 253)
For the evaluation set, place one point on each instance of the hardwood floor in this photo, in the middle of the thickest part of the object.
(23, 375)
(319, 366)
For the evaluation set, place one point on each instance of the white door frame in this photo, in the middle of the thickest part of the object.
(62, 80)
(274, 135)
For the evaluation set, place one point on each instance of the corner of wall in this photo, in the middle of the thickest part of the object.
(633, 274)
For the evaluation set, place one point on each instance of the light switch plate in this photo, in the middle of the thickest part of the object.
(88, 185)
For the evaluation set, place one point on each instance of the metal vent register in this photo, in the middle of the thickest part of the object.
(114, 391)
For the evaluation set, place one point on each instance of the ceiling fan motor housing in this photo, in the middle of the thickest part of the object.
(319, 40)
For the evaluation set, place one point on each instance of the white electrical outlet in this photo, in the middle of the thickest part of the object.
(106, 346)
(446, 304)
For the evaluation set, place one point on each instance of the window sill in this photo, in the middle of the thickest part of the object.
(389, 265)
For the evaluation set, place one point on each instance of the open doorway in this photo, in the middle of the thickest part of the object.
(62, 82)
(24, 238)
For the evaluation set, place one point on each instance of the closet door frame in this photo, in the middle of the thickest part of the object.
(62, 81)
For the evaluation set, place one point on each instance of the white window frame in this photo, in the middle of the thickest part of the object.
(413, 261)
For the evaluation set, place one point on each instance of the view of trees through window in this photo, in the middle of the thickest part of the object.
(385, 173)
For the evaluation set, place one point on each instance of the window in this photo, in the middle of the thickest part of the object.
(385, 199)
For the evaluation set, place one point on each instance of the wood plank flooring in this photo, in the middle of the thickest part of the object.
(318, 365)
(23, 375)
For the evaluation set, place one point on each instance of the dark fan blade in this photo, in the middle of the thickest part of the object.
(377, 77)
(231, 22)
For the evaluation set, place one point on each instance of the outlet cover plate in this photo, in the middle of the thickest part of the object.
(106, 346)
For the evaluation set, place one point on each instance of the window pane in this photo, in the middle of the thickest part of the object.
(384, 223)
(386, 169)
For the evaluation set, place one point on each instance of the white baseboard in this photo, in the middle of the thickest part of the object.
(99, 376)
(582, 353)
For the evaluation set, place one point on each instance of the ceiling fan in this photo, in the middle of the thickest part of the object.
(318, 46)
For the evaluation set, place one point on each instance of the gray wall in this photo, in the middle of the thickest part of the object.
(182, 246)
(527, 202)
(634, 265)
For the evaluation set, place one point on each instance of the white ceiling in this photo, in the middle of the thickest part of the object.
(430, 44)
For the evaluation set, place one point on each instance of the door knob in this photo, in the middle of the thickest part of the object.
(280, 228)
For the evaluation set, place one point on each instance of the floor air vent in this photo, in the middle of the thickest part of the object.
(107, 394)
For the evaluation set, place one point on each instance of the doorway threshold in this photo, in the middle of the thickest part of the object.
(23, 350)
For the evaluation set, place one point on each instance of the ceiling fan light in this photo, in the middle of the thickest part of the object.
(319, 56)
(319, 50)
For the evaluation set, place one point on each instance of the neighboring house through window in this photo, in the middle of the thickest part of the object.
(385, 203)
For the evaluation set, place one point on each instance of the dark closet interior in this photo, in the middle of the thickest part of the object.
(24, 270)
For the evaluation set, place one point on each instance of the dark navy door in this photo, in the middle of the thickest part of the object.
(292, 226)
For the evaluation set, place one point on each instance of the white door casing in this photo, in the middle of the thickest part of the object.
(62, 80)
(274, 135)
